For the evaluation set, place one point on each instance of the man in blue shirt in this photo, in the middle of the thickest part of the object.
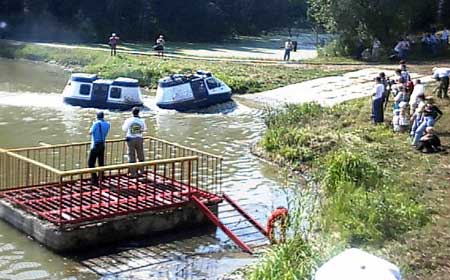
(99, 132)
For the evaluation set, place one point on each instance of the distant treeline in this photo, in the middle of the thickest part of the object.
(142, 20)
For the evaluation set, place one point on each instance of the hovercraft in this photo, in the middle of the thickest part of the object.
(88, 90)
(183, 93)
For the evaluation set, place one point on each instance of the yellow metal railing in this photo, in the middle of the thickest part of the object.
(42, 165)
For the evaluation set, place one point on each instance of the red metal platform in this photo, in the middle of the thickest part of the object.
(79, 201)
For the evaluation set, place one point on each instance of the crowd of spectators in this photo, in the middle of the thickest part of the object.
(413, 111)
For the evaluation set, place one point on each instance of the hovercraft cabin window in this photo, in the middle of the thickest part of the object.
(212, 83)
(85, 89)
(116, 92)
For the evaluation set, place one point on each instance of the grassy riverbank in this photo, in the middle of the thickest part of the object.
(241, 77)
(375, 192)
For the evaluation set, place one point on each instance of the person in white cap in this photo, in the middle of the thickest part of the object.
(113, 41)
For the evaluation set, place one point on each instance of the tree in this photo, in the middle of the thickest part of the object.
(361, 21)
(444, 11)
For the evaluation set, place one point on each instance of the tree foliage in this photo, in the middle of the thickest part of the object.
(365, 20)
(139, 20)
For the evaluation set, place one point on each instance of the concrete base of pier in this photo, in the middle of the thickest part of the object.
(142, 225)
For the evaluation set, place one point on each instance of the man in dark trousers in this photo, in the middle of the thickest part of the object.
(113, 41)
(99, 131)
(442, 75)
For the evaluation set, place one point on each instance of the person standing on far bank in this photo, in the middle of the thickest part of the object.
(113, 41)
(160, 44)
(135, 128)
(288, 46)
(99, 132)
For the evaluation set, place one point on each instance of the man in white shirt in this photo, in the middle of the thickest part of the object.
(377, 102)
(135, 127)
(442, 75)
(287, 50)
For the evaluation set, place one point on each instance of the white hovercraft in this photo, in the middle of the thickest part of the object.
(88, 90)
(183, 93)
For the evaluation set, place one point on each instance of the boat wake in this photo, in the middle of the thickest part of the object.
(30, 99)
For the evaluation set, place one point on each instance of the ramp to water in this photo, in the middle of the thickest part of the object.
(229, 232)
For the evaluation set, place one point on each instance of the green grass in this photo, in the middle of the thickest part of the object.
(241, 77)
(334, 60)
(295, 259)
(371, 188)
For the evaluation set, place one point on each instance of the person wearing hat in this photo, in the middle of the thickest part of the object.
(159, 47)
(113, 41)
(135, 128)
(99, 131)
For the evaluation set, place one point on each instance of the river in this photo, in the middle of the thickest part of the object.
(32, 113)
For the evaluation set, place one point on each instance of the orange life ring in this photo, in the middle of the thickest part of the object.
(278, 218)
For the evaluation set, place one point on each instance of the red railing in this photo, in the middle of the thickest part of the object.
(46, 181)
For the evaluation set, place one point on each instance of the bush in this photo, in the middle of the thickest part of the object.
(292, 115)
(335, 48)
(362, 204)
(354, 168)
(296, 259)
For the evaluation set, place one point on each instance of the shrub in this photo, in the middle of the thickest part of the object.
(296, 259)
(292, 115)
(362, 204)
(355, 168)
(335, 48)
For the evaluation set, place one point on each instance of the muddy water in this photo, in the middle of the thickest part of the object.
(32, 113)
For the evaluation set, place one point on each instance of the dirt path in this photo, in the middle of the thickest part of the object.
(226, 53)
(327, 91)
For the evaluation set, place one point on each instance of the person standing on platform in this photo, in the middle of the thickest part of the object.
(135, 128)
(113, 41)
(99, 131)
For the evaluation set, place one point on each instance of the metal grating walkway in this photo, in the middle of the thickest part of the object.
(79, 201)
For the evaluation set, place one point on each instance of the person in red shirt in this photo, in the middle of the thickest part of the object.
(113, 41)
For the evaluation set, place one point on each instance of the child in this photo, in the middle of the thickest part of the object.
(396, 120)
(403, 120)
(400, 98)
